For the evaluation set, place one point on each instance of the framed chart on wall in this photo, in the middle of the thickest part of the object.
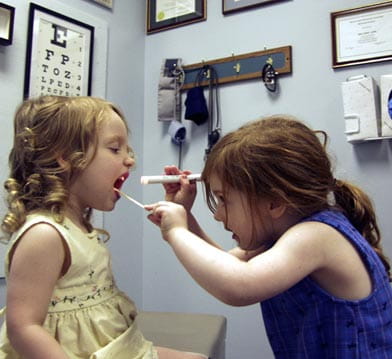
(7, 14)
(362, 35)
(229, 6)
(59, 54)
(168, 14)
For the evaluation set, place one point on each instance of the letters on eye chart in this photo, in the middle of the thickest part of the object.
(60, 71)
(59, 55)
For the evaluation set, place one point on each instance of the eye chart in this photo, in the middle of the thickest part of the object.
(59, 55)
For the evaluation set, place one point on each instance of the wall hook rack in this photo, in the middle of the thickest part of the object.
(240, 67)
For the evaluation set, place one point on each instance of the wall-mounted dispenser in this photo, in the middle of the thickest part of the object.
(360, 99)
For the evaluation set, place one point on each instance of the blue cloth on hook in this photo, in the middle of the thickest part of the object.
(196, 106)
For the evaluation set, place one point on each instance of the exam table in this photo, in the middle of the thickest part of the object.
(193, 332)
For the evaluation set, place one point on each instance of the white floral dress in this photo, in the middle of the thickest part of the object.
(88, 315)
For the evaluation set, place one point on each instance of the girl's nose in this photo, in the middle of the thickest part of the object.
(129, 161)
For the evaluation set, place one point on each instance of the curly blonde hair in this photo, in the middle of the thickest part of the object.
(45, 129)
(280, 157)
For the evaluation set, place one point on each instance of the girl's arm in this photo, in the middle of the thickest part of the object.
(297, 254)
(195, 228)
(36, 265)
(241, 254)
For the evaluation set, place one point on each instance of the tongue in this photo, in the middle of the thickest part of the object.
(118, 184)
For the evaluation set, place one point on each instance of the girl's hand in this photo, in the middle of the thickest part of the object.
(184, 192)
(168, 216)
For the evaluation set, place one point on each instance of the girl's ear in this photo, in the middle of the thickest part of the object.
(64, 164)
(277, 208)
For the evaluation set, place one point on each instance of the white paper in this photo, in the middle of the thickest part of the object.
(364, 36)
(4, 23)
(169, 9)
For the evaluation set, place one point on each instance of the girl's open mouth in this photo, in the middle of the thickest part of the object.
(120, 181)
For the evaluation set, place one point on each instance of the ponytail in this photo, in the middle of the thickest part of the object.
(358, 208)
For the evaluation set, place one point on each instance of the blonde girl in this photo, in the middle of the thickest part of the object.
(68, 157)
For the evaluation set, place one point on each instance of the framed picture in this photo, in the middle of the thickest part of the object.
(168, 14)
(106, 3)
(58, 56)
(362, 35)
(229, 6)
(7, 14)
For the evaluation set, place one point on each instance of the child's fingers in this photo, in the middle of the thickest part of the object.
(155, 209)
(172, 170)
(171, 187)
(155, 215)
(154, 219)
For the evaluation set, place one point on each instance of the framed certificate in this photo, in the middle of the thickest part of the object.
(229, 6)
(58, 56)
(168, 14)
(107, 3)
(362, 35)
(7, 14)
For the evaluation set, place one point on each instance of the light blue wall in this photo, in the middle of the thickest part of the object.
(145, 266)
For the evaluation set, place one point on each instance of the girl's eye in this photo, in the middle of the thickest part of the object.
(115, 150)
(219, 199)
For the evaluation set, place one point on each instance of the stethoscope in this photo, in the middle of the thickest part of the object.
(269, 77)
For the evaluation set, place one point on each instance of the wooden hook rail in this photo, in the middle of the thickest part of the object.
(240, 67)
